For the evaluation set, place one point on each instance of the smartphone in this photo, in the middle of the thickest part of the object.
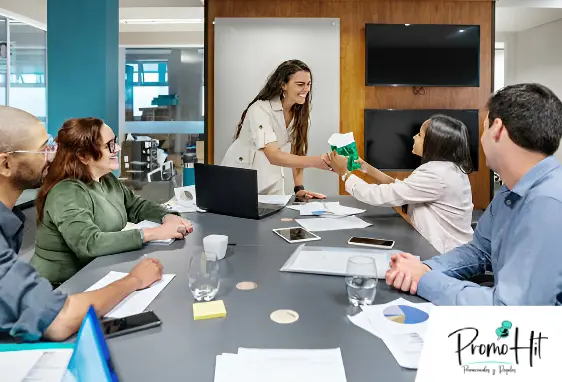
(114, 327)
(296, 234)
(371, 242)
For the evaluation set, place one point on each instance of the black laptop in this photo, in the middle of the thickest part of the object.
(230, 191)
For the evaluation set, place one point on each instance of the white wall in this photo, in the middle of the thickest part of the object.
(247, 51)
(161, 39)
(535, 55)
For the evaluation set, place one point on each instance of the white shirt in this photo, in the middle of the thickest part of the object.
(439, 200)
(264, 124)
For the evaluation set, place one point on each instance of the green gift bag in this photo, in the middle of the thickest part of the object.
(345, 145)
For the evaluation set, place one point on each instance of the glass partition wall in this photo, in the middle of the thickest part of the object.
(23, 64)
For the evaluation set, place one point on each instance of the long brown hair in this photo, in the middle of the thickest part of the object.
(79, 139)
(301, 113)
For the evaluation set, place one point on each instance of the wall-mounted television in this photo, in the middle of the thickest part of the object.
(422, 55)
(389, 136)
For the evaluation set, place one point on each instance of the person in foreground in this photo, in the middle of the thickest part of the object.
(518, 237)
(30, 309)
(277, 116)
(437, 195)
(82, 207)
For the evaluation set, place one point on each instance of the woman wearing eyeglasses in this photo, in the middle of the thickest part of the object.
(82, 207)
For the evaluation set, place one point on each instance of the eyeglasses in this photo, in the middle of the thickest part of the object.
(49, 152)
(112, 145)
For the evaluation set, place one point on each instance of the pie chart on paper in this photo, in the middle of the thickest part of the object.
(405, 314)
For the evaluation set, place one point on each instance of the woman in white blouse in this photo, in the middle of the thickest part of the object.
(437, 194)
(279, 115)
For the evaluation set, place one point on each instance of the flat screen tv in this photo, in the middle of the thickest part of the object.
(389, 136)
(422, 55)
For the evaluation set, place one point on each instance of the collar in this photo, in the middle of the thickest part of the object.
(276, 104)
(10, 221)
(534, 175)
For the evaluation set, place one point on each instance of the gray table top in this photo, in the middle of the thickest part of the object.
(183, 349)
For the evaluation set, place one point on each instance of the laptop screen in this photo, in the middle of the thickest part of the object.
(90, 361)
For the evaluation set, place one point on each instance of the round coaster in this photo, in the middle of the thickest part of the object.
(287, 219)
(246, 285)
(284, 316)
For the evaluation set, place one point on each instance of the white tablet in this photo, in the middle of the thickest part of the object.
(296, 234)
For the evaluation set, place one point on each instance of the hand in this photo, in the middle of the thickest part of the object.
(364, 165)
(180, 221)
(147, 272)
(170, 229)
(338, 163)
(324, 163)
(307, 195)
(405, 272)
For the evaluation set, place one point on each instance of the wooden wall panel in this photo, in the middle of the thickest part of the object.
(354, 95)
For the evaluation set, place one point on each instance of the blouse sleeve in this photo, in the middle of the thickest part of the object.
(422, 186)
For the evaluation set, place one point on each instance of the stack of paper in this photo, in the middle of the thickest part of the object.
(328, 209)
(137, 301)
(401, 324)
(333, 260)
(48, 365)
(272, 365)
(321, 224)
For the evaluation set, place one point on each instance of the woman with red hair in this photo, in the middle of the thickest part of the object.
(82, 207)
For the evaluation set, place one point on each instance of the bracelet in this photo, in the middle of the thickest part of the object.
(298, 188)
(346, 176)
(142, 234)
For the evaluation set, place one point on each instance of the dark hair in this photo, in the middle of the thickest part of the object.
(446, 140)
(531, 114)
(301, 113)
(78, 139)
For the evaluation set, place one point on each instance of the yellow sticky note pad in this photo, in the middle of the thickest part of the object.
(206, 310)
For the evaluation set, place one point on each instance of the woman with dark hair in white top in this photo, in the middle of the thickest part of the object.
(437, 195)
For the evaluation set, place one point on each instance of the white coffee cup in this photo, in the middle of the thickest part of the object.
(216, 244)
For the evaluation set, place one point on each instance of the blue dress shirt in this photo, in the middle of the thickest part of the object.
(519, 238)
(28, 303)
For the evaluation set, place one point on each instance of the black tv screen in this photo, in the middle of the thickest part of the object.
(389, 136)
(422, 55)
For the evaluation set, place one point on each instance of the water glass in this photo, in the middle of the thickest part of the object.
(361, 280)
(204, 277)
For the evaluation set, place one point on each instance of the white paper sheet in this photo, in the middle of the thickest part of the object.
(279, 200)
(322, 224)
(272, 365)
(333, 260)
(327, 209)
(15, 365)
(405, 341)
(136, 302)
(51, 367)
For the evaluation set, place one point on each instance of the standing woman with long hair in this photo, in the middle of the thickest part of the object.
(278, 115)
(437, 195)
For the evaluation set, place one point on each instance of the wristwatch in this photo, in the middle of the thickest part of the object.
(298, 188)
(142, 234)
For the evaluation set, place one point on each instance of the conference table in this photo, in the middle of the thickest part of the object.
(183, 349)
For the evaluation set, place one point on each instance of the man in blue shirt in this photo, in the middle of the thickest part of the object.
(29, 308)
(519, 236)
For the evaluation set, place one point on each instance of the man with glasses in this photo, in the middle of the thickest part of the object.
(29, 308)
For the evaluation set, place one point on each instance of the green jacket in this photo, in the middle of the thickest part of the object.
(83, 221)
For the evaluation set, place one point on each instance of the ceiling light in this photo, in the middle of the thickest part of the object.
(160, 21)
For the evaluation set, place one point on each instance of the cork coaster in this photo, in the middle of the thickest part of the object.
(284, 316)
(287, 219)
(246, 285)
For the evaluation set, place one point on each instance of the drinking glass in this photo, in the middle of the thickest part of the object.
(204, 277)
(361, 280)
